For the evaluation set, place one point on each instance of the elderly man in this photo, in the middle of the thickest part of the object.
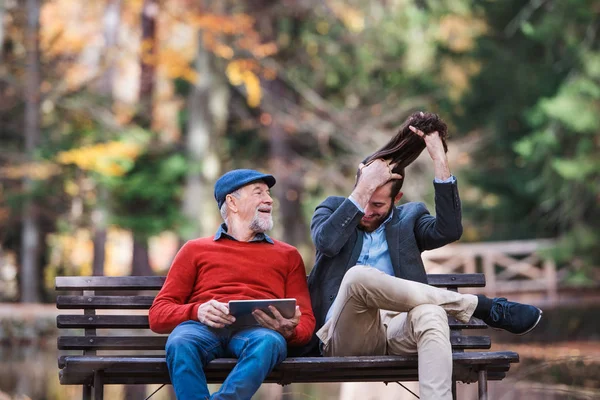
(368, 285)
(241, 262)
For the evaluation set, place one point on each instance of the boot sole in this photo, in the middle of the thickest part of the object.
(534, 325)
(527, 331)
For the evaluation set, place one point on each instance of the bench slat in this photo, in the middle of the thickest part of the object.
(104, 302)
(158, 342)
(103, 321)
(141, 322)
(109, 282)
(456, 280)
(154, 342)
(156, 282)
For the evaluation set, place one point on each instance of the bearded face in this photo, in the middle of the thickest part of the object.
(263, 220)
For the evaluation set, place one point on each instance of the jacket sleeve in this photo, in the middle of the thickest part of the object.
(446, 227)
(170, 307)
(295, 287)
(331, 227)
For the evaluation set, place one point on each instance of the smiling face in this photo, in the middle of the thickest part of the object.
(254, 207)
(379, 208)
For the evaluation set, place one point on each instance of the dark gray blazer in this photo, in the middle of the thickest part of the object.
(338, 242)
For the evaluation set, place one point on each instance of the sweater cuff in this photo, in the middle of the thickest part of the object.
(194, 316)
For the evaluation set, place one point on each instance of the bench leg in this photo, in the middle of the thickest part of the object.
(482, 383)
(98, 385)
(87, 392)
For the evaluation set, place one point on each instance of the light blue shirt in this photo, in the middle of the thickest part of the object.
(375, 252)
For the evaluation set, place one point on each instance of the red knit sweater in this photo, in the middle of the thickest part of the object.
(205, 269)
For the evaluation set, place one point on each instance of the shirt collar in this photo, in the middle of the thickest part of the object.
(259, 237)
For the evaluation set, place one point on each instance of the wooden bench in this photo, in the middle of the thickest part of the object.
(129, 353)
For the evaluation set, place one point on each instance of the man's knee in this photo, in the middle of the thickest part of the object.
(358, 274)
(189, 338)
(269, 342)
(429, 318)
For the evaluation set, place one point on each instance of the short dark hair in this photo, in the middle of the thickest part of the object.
(406, 145)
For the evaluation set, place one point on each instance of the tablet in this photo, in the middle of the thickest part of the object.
(242, 309)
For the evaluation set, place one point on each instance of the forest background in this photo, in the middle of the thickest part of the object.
(117, 117)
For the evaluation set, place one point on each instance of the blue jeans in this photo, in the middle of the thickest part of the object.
(192, 345)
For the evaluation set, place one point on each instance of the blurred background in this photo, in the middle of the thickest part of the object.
(117, 116)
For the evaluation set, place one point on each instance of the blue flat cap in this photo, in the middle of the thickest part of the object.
(233, 180)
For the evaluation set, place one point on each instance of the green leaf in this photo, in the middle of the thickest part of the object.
(577, 170)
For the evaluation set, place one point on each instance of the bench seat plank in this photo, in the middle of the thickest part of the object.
(141, 322)
(104, 302)
(155, 342)
(77, 370)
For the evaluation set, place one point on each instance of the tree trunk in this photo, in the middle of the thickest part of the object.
(140, 262)
(207, 119)
(99, 223)
(289, 186)
(147, 62)
(2, 12)
(111, 22)
(283, 160)
(30, 265)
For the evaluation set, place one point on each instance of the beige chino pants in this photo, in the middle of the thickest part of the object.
(377, 314)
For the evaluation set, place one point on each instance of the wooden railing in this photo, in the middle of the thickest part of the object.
(509, 267)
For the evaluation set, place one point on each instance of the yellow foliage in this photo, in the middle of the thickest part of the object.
(352, 18)
(174, 65)
(102, 158)
(459, 32)
(242, 72)
(229, 25)
(33, 170)
(234, 73)
(71, 188)
(253, 90)
(323, 27)
(457, 76)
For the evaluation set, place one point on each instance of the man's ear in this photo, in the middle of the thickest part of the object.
(231, 203)
(398, 197)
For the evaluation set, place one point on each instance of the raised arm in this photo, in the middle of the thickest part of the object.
(446, 227)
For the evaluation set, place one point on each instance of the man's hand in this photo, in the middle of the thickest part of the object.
(374, 174)
(278, 323)
(435, 148)
(215, 314)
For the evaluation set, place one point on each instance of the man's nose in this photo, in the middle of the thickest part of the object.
(268, 199)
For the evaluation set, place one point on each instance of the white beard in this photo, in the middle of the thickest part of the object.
(260, 224)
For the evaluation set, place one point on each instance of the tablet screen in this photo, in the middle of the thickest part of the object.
(242, 309)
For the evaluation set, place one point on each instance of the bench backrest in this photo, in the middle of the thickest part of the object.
(120, 305)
